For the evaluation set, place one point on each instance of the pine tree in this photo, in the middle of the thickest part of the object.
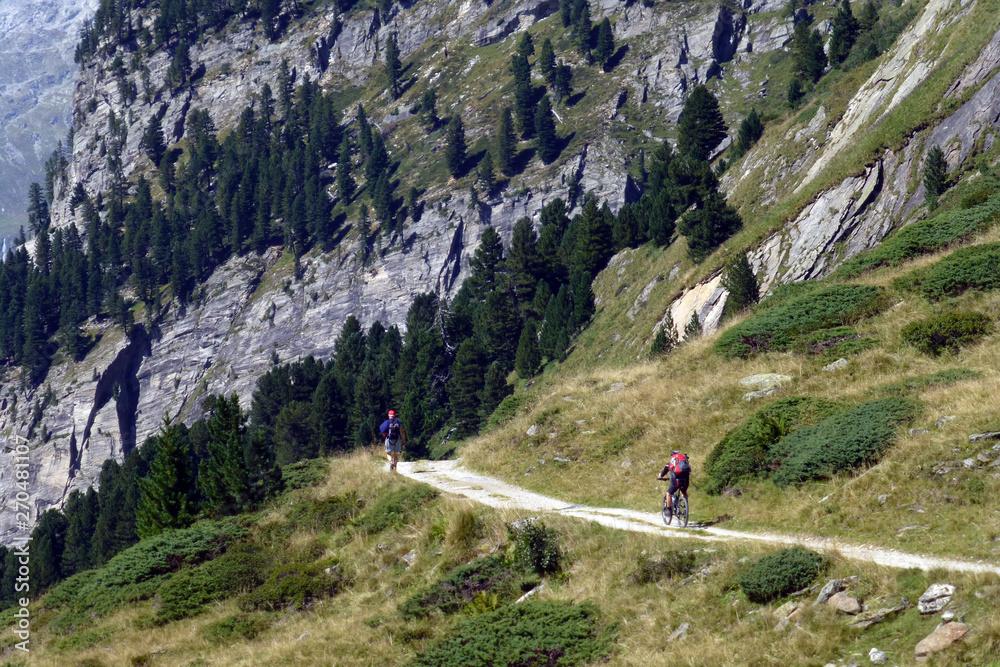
(485, 174)
(165, 490)
(582, 295)
(466, 382)
(378, 161)
(393, 68)
(455, 150)
(525, 47)
(582, 26)
(701, 126)
(153, 142)
(528, 357)
(665, 340)
(47, 544)
(364, 132)
(180, 66)
(869, 16)
(605, 44)
(428, 108)
(81, 511)
(562, 82)
(844, 33)
(566, 12)
(751, 129)
(223, 478)
(524, 95)
(546, 141)
(708, 225)
(547, 61)
(594, 241)
(693, 328)
(345, 182)
(741, 283)
(935, 176)
(495, 389)
(794, 95)
(522, 262)
(382, 199)
(499, 324)
(38, 209)
(505, 144)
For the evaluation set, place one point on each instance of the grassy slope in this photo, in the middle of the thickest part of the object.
(362, 625)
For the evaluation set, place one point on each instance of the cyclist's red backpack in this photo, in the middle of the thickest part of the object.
(681, 464)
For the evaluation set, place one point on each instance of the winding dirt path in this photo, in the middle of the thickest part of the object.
(450, 477)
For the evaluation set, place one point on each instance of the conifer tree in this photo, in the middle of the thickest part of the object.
(665, 340)
(844, 33)
(701, 126)
(869, 16)
(393, 68)
(47, 544)
(345, 182)
(741, 283)
(693, 328)
(935, 176)
(499, 324)
(525, 47)
(546, 141)
(794, 94)
(582, 295)
(81, 512)
(152, 141)
(455, 150)
(582, 26)
(180, 66)
(605, 44)
(566, 12)
(428, 108)
(547, 61)
(524, 95)
(594, 238)
(485, 174)
(495, 389)
(223, 478)
(364, 132)
(165, 490)
(382, 199)
(562, 82)
(751, 129)
(522, 262)
(708, 225)
(466, 382)
(505, 144)
(378, 161)
(528, 357)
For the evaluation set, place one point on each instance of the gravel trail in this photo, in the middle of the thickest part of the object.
(450, 477)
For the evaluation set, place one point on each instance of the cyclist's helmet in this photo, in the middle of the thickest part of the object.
(392, 413)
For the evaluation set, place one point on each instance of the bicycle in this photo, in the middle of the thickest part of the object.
(679, 510)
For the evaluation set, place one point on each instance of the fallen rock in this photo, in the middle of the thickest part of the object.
(680, 633)
(754, 395)
(765, 380)
(877, 657)
(935, 598)
(942, 637)
(833, 586)
(616, 386)
(845, 603)
(980, 437)
(532, 430)
(918, 431)
(839, 364)
(986, 456)
(785, 610)
(944, 420)
(948, 616)
(868, 619)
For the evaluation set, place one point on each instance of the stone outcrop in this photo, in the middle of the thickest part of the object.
(942, 637)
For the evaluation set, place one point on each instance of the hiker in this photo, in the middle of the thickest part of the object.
(680, 476)
(395, 438)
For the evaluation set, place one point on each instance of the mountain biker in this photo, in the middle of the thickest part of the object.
(680, 476)
(395, 439)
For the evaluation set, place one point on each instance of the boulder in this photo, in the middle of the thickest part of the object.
(832, 586)
(942, 637)
(838, 365)
(868, 619)
(980, 437)
(680, 633)
(877, 657)
(845, 603)
(935, 598)
(765, 380)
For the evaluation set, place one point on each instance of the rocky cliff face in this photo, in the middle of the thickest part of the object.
(37, 39)
(253, 309)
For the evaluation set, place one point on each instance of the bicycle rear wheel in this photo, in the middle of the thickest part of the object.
(667, 514)
(681, 510)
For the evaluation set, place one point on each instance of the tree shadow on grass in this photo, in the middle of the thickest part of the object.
(616, 58)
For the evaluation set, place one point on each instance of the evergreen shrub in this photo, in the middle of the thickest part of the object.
(842, 442)
(949, 331)
(301, 474)
(295, 586)
(778, 327)
(679, 563)
(394, 507)
(241, 569)
(747, 452)
(535, 546)
(532, 633)
(780, 573)
(492, 574)
(924, 237)
(976, 267)
(237, 627)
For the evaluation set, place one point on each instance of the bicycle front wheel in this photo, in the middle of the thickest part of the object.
(667, 514)
(681, 510)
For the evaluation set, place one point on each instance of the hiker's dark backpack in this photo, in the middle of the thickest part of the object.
(394, 427)
(682, 464)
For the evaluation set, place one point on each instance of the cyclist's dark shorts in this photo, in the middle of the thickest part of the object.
(678, 482)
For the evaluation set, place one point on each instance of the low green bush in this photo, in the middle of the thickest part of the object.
(976, 267)
(780, 326)
(301, 474)
(238, 627)
(394, 507)
(535, 546)
(746, 451)
(921, 382)
(947, 332)
(671, 564)
(241, 569)
(528, 634)
(492, 574)
(923, 237)
(295, 586)
(327, 514)
(842, 442)
(780, 573)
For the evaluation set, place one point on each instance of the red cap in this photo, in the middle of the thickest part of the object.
(392, 413)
